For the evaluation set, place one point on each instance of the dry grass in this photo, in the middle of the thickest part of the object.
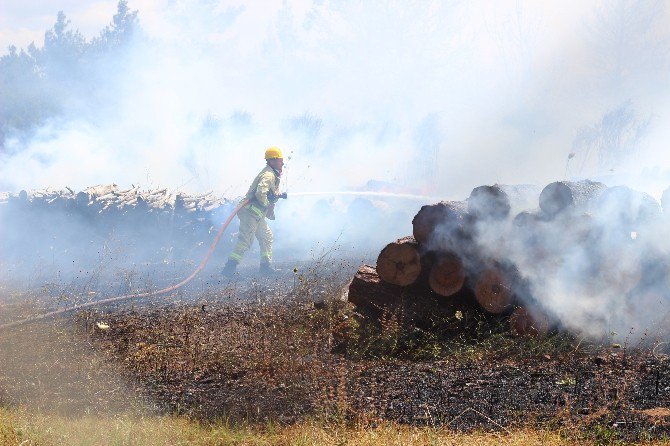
(283, 370)
(19, 427)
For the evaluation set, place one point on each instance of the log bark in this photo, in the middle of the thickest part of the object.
(367, 291)
(447, 275)
(437, 225)
(561, 195)
(494, 289)
(399, 263)
(413, 305)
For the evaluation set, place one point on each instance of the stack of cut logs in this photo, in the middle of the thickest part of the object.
(476, 256)
(55, 223)
(109, 197)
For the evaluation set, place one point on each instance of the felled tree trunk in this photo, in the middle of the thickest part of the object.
(368, 292)
(494, 289)
(526, 230)
(499, 201)
(441, 225)
(561, 195)
(399, 263)
(447, 275)
(413, 305)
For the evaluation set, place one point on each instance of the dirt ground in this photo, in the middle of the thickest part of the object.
(290, 349)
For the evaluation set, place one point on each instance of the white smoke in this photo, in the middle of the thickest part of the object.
(429, 97)
(348, 89)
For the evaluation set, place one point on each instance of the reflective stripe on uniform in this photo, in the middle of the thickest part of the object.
(236, 257)
(256, 210)
(266, 254)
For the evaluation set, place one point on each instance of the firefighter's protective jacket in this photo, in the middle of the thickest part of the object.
(252, 216)
(267, 180)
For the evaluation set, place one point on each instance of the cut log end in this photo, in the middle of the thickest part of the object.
(489, 202)
(523, 322)
(449, 214)
(447, 276)
(493, 291)
(399, 263)
(555, 197)
(560, 195)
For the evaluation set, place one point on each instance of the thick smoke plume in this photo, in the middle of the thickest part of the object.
(429, 98)
(588, 260)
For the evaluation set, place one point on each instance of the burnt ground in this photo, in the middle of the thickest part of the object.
(291, 348)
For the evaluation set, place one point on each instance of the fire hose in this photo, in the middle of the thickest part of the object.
(137, 295)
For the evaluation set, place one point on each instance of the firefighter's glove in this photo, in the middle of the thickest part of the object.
(273, 198)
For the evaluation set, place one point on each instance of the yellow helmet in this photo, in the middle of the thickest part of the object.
(273, 152)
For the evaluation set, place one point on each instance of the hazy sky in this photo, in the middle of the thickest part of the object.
(450, 94)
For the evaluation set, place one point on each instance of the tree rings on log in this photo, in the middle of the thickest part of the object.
(399, 263)
(493, 290)
(447, 275)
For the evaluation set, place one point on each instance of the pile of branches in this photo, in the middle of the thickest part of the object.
(509, 252)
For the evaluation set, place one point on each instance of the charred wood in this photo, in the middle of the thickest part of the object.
(413, 305)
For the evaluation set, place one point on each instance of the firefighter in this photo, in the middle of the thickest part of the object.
(262, 195)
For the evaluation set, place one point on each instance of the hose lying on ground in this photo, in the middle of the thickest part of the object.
(135, 295)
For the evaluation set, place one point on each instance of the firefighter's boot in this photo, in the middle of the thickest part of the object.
(267, 269)
(229, 269)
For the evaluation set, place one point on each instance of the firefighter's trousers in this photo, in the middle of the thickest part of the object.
(251, 223)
